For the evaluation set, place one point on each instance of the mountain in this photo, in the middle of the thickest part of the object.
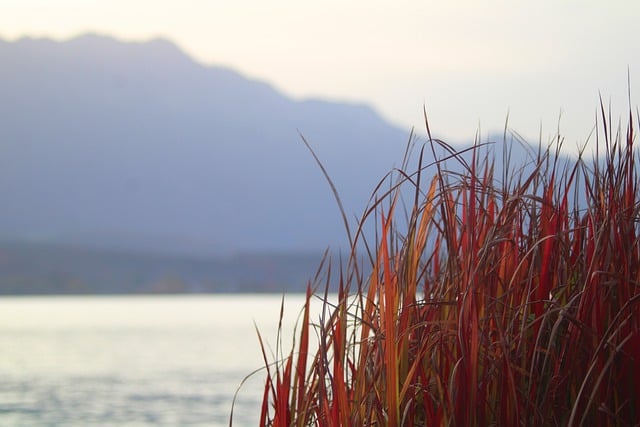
(135, 146)
(129, 167)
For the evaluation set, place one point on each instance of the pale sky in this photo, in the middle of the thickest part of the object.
(469, 62)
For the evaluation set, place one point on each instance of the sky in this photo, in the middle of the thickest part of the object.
(470, 64)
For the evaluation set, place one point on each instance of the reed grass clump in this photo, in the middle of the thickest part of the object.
(480, 300)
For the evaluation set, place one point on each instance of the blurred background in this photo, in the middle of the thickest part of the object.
(177, 129)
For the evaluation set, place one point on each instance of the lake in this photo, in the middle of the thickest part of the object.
(135, 360)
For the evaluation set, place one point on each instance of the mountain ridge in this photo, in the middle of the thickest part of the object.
(128, 167)
(119, 117)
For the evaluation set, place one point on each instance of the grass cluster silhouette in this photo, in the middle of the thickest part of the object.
(480, 299)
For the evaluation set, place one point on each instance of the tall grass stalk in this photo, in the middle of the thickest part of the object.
(511, 300)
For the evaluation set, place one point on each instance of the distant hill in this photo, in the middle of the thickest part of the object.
(135, 146)
(128, 167)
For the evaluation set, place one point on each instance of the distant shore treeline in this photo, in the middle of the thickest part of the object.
(37, 269)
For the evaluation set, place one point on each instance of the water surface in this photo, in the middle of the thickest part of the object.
(134, 360)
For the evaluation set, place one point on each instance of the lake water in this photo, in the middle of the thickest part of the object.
(135, 360)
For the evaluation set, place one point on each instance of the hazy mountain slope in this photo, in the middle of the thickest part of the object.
(135, 145)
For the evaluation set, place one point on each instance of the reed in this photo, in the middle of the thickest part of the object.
(511, 300)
